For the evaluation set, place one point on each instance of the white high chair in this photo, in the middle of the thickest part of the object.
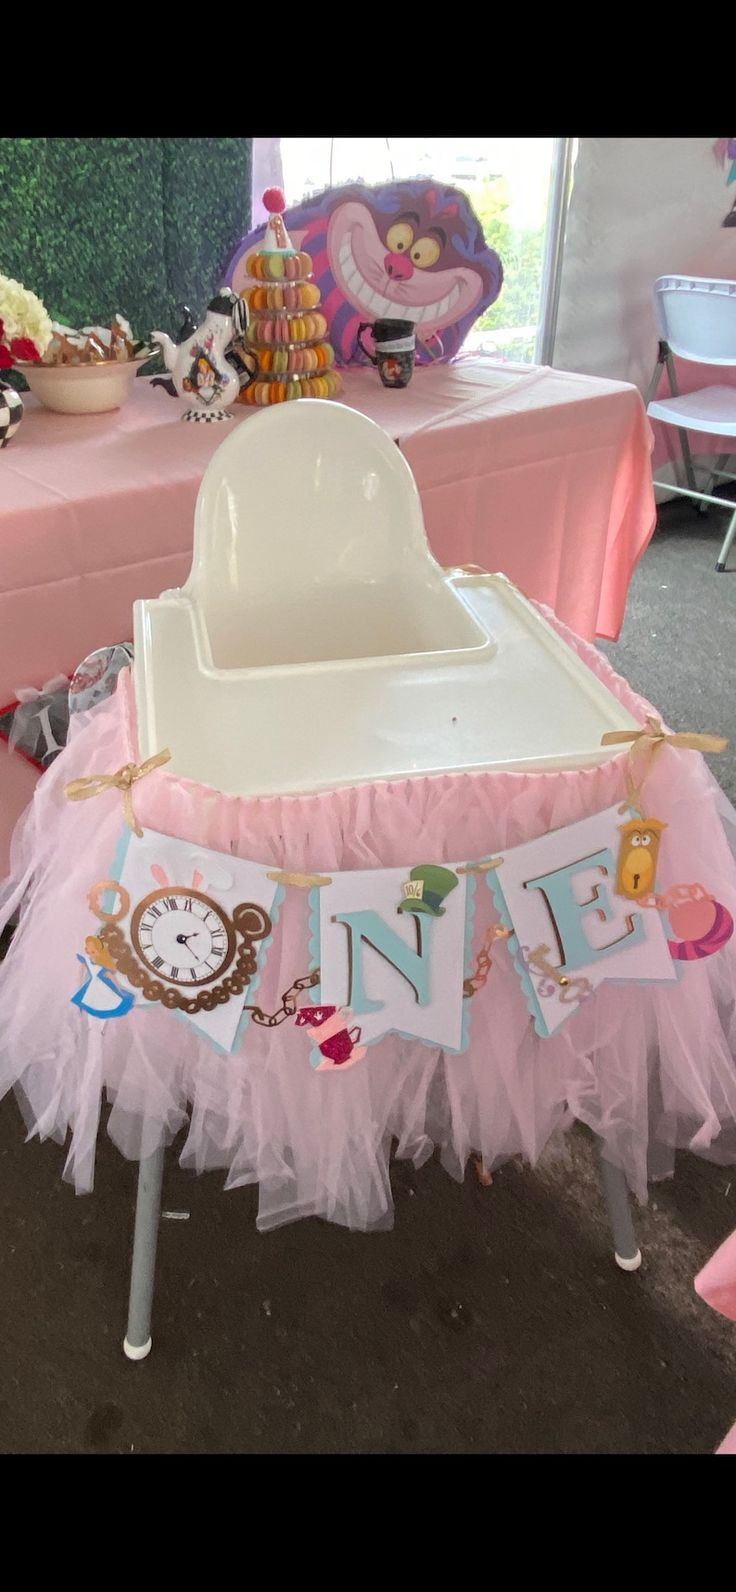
(697, 321)
(312, 572)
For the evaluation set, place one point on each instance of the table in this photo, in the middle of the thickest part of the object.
(542, 474)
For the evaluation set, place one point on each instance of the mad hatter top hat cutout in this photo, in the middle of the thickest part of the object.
(426, 888)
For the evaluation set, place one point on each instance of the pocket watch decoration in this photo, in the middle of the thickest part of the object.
(180, 935)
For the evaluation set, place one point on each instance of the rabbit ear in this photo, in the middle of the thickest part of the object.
(197, 880)
(211, 871)
(160, 875)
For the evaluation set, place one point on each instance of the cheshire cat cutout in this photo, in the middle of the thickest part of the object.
(406, 250)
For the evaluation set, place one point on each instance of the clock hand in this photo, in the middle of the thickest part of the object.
(181, 939)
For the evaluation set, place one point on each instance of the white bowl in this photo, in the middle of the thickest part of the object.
(83, 389)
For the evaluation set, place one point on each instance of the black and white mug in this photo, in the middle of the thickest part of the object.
(395, 349)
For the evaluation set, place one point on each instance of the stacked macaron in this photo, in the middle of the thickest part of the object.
(284, 332)
(275, 266)
(296, 361)
(278, 392)
(299, 296)
(286, 329)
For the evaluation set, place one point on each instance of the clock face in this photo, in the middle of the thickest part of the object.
(182, 936)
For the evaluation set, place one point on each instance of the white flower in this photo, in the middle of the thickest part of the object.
(23, 314)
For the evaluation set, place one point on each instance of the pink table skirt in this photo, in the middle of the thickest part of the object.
(716, 1284)
(537, 473)
(648, 1068)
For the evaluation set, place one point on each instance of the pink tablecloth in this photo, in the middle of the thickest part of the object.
(539, 473)
(716, 1284)
(545, 476)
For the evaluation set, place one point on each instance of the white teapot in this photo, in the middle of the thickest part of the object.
(205, 366)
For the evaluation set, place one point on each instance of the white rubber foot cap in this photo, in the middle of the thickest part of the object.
(132, 1353)
(632, 1264)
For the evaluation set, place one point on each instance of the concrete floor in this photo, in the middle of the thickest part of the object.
(489, 1320)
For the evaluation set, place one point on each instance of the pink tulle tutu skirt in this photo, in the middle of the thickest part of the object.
(648, 1068)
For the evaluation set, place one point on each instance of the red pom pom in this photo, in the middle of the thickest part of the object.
(274, 201)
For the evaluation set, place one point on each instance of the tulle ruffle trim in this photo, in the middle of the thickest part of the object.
(649, 1069)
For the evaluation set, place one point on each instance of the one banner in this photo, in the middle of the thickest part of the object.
(391, 950)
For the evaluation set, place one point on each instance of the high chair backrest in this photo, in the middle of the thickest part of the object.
(697, 317)
(309, 544)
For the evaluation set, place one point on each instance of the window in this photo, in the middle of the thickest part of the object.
(513, 184)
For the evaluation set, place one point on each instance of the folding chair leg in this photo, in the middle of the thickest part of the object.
(137, 1343)
(656, 373)
(721, 463)
(664, 359)
(687, 457)
(730, 533)
(687, 460)
(627, 1253)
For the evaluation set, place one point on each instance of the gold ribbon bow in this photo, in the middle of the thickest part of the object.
(78, 790)
(648, 742)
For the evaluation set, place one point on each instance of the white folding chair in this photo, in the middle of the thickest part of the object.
(697, 321)
(312, 575)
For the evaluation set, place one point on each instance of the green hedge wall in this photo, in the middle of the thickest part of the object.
(136, 225)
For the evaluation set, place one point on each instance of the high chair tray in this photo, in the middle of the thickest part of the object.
(500, 690)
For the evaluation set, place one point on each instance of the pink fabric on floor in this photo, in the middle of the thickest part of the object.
(650, 1069)
(716, 1284)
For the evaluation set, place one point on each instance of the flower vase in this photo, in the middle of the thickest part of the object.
(11, 412)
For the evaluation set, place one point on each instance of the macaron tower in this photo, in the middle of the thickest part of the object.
(287, 331)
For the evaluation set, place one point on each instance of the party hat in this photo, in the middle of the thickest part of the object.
(277, 240)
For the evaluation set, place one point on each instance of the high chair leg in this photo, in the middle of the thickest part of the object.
(627, 1253)
(137, 1343)
(730, 533)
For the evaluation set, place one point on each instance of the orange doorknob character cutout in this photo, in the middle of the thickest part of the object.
(637, 858)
